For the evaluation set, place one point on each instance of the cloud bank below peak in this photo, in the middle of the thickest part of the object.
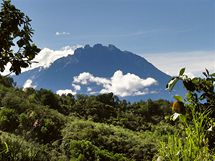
(120, 84)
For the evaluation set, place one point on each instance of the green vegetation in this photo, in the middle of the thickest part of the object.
(40, 125)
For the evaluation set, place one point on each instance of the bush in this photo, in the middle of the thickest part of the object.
(8, 119)
(14, 148)
(86, 151)
(113, 139)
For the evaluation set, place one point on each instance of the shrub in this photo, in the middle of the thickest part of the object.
(113, 139)
(14, 148)
(8, 119)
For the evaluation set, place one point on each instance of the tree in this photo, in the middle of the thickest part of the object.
(7, 81)
(15, 34)
(47, 97)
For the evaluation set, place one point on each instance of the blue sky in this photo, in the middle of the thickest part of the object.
(152, 28)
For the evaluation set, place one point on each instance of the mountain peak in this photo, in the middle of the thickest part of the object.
(97, 48)
(87, 46)
(110, 47)
(113, 48)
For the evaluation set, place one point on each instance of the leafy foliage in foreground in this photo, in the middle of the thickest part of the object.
(15, 32)
(195, 137)
(14, 147)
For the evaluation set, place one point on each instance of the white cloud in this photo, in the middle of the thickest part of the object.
(89, 89)
(47, 56)
(62, 33)
(128, 84)
(86, 78)
(120, 84)
(28, 84)
(76, 87)
(194, 61)
(65, 91)
(93, 93)
(7, 70)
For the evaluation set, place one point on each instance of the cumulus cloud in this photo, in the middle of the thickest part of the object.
(62, 33)
(89, 89)
(194, 61)
(47, 56)
(120, 84)
(86, 78)
(28, 84)
(128, 84)
(65, 91)
(76, 87)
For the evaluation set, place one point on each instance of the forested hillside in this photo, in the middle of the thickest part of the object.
(40, 125)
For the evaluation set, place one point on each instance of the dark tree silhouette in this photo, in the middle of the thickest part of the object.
(15, 34)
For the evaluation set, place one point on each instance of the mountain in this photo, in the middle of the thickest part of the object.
(101, 69)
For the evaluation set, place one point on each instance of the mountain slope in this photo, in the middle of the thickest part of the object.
(100, 61)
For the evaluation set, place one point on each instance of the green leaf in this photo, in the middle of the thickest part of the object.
(195, 80)
(20, 42)
(213, 74)
(172, 83)
(178, 98)
(202, 97)
(205, 74)
(182, 71)
(6, 146)
(188, 84)
(207, 71)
